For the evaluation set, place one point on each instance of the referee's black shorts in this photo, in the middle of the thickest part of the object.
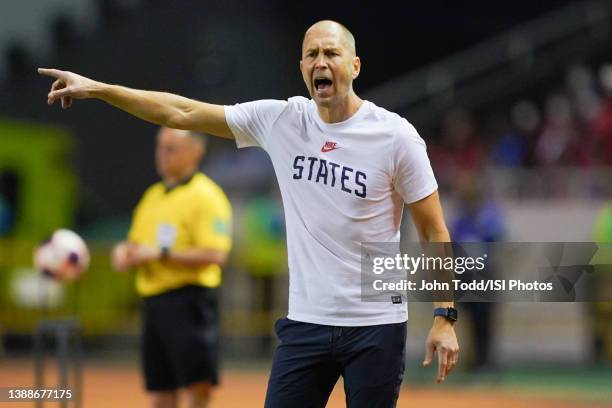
(180, 338)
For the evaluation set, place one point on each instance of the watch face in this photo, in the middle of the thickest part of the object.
(452, 313)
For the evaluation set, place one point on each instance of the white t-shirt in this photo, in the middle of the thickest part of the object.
(342, 184)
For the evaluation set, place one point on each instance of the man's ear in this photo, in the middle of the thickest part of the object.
(199, 150)
(356, 67)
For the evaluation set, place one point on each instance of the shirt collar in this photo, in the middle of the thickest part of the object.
(182, 182)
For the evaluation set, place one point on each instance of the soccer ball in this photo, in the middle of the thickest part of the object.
(64, 256)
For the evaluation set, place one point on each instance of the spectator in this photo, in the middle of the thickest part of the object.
(602, 124)
(461, 148)
(510, 148)
(479, 219)
(558, 132)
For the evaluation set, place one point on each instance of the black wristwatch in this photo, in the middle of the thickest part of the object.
(164, 253)
(449, 312)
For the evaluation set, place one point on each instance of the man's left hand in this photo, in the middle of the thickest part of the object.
(442, 339)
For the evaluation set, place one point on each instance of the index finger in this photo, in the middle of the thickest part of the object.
(55, 73)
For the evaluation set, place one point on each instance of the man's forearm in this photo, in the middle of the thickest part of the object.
(440, 235)
(196, 257)
(443, 304)
(154, 107)
(165, 109)
(437, 235)
(161, 108)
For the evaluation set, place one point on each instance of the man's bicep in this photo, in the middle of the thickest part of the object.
(209, 118)
(428, 218)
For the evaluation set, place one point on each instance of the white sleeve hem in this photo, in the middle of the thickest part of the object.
(241, 138)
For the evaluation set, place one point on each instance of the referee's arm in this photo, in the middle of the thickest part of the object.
(162, 108)
(190, 257)
(126, 255)
(429, 221)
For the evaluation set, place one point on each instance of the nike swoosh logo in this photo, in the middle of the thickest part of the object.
(325, 149)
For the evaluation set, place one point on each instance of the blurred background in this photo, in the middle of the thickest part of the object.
(514, 100)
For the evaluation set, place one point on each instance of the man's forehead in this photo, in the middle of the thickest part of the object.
(325, 43)
(173, 135)
(326, 34)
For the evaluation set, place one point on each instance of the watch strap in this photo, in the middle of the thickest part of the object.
(449, 312)
(165, 253)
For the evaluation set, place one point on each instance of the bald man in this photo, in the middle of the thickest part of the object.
(178, 242)
(345, 168)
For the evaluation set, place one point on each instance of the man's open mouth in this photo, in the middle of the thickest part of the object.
(322, 84)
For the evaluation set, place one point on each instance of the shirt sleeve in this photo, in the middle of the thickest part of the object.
(131, 235)
(212, 227)
(251, 122)
(135, 233)
(413, 177)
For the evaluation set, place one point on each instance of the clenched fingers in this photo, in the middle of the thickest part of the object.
(58, 84)
(57, 94)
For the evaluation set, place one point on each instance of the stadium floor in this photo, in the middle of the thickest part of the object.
(118, 385)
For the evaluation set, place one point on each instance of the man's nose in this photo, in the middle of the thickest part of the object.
(320, 62)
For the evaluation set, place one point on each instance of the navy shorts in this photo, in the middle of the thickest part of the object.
(180, 339)
(311, 357)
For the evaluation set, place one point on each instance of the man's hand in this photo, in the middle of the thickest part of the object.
(442, 339)
(120, 256)
(140, 254)
(126, 255)
(161, 108)
(68, 86)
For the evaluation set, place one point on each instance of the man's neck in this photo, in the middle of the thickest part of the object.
(172, 181)
(342, 111)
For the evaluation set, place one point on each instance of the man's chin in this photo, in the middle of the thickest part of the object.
(323, 100)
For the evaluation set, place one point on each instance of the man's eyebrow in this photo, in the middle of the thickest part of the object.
(329, 48)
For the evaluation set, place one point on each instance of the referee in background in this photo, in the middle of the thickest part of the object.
(179, 240)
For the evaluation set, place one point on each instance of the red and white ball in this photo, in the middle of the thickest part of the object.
(64, 256)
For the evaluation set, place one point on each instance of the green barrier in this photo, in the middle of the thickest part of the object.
(39, 158)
